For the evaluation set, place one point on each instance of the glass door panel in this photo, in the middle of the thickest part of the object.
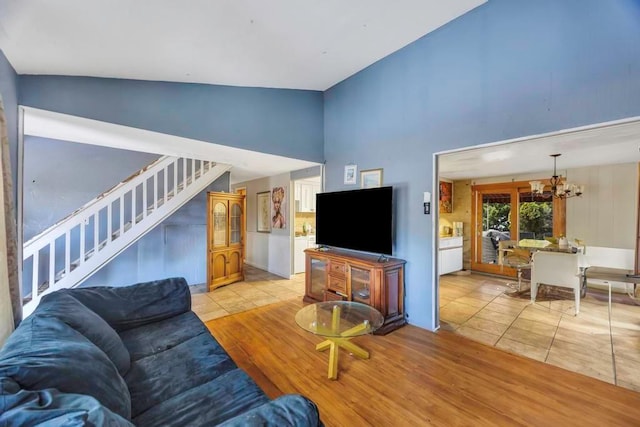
(495, 211)
(318, 278)
(220, 224)
(535, 219)
(360, 282)
(235, 224)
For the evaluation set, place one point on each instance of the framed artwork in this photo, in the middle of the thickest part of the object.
(278, 207)
(446, 196)
(350, 174)
(371, 178)
(263, 213)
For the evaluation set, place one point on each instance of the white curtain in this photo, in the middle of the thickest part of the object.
(10, 303)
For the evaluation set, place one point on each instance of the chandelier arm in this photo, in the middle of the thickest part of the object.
(559, 189)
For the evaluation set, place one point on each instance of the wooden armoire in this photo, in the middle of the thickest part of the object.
(225, 238)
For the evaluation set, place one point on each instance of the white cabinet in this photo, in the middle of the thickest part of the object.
(300, 244)
(296, 196)
(305, 198)
(305, 195)
(315, 189)
(450, 255)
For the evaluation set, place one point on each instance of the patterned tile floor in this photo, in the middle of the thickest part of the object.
(476, 306)
(258, 288)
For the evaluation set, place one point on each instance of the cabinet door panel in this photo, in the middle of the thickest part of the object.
(235, 262)
(392, 280)
(317, 278)
(360, 280)
(219, 265)
(219, 224)
(235, 224)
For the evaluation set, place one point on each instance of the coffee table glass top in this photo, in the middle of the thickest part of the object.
(339, 319)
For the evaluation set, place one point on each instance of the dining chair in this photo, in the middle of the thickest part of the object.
(556, 269)
(510, 255)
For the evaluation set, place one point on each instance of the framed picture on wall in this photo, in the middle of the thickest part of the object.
(279, 207)
(371, 178)
(446, 196)
(350, 174)
(263, 212)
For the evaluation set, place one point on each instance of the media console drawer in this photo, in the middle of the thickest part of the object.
(330, 296)
(338, 284)
(337, 267)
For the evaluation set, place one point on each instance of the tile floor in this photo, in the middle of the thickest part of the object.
(259, 288)
(476, 306)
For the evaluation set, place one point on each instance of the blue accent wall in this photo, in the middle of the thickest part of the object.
(61, 176)
(176, 247)
(9, 92)
(276, 121)
(509, 68)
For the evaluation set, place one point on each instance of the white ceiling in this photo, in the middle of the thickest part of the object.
(311, 44)
(599, 144)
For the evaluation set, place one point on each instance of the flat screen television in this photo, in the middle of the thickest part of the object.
(360, 220)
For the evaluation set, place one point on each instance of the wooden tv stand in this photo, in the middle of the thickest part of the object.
(337, 274)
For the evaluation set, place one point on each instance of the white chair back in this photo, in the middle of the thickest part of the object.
(556, 269)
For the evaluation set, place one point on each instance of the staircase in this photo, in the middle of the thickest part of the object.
(76, 247)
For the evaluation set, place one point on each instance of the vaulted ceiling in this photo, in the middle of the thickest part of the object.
(310, 44)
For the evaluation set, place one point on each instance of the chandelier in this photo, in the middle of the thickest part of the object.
(559, 187)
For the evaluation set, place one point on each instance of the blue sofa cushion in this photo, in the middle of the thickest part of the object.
(136, 305)
(160, 336)
(50, 407)
(44, 352)
(287, 410)
(63, 306)
(208, 404)
(163, 375)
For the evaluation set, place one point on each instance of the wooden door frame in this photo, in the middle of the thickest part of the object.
(637, 266)
(243, 191)
(514, 188)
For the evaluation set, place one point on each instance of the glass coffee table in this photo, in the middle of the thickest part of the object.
(338, 322)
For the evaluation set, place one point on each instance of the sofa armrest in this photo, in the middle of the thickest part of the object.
(136, 305)
(19, 407)
(288, 410)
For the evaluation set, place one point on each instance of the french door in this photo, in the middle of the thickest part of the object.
(509, 211)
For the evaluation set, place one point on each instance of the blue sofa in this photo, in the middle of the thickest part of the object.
(134, 355)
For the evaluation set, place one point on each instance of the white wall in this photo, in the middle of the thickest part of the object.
(606, 214)
(269, 251)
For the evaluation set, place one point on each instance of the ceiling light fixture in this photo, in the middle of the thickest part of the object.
(559, 187)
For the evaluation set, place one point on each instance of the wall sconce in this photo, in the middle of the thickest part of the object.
(427, 203)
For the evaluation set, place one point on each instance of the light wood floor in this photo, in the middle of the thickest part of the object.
(416, 377)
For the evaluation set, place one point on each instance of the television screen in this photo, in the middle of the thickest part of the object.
(358, 219)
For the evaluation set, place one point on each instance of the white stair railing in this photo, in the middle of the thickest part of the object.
(77, 246)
